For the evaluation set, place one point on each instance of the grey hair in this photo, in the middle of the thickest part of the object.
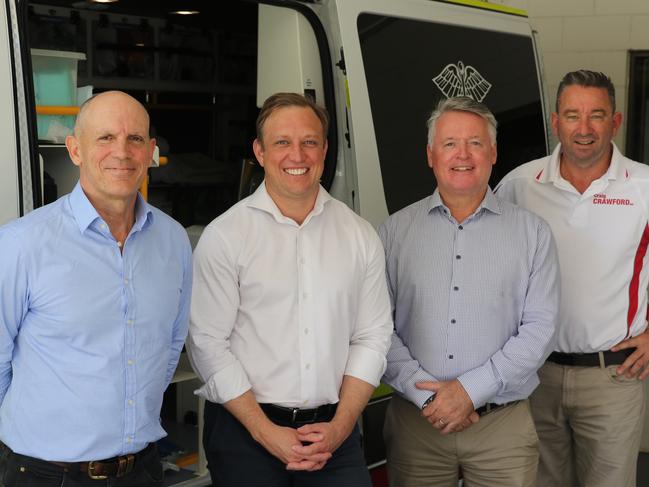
(462, 104)
(589, 79)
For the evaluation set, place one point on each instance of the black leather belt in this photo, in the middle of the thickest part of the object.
(102, 469)
(289, 416)
(590, 359)
(490, 407)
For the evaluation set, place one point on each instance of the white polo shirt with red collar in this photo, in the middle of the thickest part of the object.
(602, 237)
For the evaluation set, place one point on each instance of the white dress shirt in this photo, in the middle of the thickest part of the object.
(288, 309)
(602, 237)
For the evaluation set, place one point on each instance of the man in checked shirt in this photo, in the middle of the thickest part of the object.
(474, 287)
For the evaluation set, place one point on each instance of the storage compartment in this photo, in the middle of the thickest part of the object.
(55, 84)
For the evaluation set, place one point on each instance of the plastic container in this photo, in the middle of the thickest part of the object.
(55, 83)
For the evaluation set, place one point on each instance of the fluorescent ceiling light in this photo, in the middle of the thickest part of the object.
(185, 12)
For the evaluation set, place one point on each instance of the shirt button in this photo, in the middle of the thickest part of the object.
(129, 439)
(129, 361)
(306, 331)
(461, 227)
(453, 321)
(308, 366)
(455, 288)
(130, 402)
(458, 256)
(450, 356)
(125, 281)
(102, 226)
(130, 322)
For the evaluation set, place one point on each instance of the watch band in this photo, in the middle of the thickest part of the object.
(428, 401)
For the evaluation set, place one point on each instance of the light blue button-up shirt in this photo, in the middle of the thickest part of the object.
(475, 300)
(89, 336)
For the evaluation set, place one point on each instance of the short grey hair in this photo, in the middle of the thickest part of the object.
(587, 79)
(462, 104)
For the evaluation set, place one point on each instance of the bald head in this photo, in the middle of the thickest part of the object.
(113, 149)
(107, 99)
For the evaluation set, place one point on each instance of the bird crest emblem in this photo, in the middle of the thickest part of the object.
(458, 80)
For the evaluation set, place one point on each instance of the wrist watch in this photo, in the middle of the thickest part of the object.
(428, 401)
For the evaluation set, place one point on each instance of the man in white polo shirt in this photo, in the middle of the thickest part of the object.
(589, 407)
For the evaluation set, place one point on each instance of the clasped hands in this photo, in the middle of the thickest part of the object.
(306, 448)
(451, 410)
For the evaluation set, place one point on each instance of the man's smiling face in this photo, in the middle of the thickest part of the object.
(112, 148)
(292, 153)
(585, 125)
(461, 154)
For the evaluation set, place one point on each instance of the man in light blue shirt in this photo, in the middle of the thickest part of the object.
(94, 300)
(474, 287)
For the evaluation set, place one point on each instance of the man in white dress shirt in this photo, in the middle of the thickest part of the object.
(290, 319)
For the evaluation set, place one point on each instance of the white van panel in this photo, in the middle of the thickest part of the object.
(372, 203)
(288, 55)
(9, 192)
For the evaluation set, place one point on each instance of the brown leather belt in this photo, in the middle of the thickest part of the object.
(590, 359)
(290, 416)
(102, 469)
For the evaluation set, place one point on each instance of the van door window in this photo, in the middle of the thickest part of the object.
(411, 64)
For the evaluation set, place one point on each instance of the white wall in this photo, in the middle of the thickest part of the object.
(590, 34)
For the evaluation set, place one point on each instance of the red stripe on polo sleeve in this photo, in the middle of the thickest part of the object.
(635, 279)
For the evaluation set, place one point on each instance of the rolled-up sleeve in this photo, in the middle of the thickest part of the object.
(370, 339)
(215, 302)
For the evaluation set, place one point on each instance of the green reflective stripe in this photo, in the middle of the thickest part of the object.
(382, 390)
(489, 6)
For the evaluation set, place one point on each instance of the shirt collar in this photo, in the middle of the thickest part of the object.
(489, 202)
(85, 214)
(261, 200)
(551, 173)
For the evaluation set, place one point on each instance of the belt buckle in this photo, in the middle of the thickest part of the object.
(294, 414)
(91, 472)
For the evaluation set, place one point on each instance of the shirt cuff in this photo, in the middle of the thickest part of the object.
(365, 364)
(480, 385)
(225, 385)
(415, 395)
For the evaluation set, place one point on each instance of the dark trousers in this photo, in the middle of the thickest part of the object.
(235, 459)
(23, 471)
